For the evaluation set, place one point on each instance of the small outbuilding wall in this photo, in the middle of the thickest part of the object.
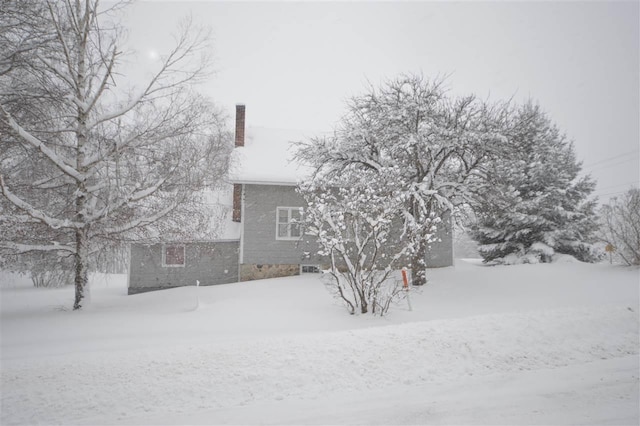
(162, 266)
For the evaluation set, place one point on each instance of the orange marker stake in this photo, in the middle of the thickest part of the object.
(405, 286)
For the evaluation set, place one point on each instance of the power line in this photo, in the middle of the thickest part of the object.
(610, 193)
(606, 166)
(604, 160)
(635, 182)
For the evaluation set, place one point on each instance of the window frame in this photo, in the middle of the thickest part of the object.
(289, 237)
(317, 268)
(174, 265)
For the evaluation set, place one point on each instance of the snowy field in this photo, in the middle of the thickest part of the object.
(528, 344)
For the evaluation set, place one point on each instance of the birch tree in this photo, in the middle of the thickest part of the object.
(87, 162)
(21, 32)
(435, 143)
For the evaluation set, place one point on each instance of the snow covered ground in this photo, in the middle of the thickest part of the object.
(527, 344)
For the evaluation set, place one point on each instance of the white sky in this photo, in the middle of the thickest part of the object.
(294, 63)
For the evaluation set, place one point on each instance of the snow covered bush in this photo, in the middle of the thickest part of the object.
(355, 218)
(52, 278)
(534, 202)
(621, 226)
(46, 269)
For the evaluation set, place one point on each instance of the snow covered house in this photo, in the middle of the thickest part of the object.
(261, 238)
(266, 204)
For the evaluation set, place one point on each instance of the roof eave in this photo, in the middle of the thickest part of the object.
(263, 182)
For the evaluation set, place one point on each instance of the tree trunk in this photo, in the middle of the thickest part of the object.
(364, 306)
(82, 139)
(418, 265)
(82, 266)
(418, 260)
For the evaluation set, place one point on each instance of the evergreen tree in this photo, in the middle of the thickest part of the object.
(535, 202)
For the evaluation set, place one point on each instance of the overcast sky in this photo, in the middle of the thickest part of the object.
(294, 63)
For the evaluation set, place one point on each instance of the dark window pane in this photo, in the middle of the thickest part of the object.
(174, 255)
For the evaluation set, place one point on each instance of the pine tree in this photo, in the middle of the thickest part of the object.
(535, 202)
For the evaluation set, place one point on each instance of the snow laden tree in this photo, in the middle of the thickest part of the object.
(19, 34)
(535, 203)
(88, 161)
(436, 146)
(620, 227)
(354, 215)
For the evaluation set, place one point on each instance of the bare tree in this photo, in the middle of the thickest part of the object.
(621, 226)
(86, 164)
(22, 32)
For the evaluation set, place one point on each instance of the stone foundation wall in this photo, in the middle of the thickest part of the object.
(250, 272)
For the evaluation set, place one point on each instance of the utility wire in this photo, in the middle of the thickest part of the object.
(610, 193)
(606, 166)
(604, 160)
(616, 186)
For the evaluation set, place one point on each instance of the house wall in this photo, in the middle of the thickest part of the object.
(440, 253)
(208, 262)
(263, 256)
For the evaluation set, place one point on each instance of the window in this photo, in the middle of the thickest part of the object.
(288, 223)
(309, 269)
(173, 255)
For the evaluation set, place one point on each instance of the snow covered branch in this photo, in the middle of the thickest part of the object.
(139, 222)
(133, 196)
(16, 248)
(62, 163)
(39, 215)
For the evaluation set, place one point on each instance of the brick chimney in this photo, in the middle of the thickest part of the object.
(239, 125)
(237, 188)
(236, 214)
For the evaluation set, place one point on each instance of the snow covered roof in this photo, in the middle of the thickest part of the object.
(220, 201)
(267, 157)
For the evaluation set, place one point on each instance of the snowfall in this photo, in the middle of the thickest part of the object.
(526, 344)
